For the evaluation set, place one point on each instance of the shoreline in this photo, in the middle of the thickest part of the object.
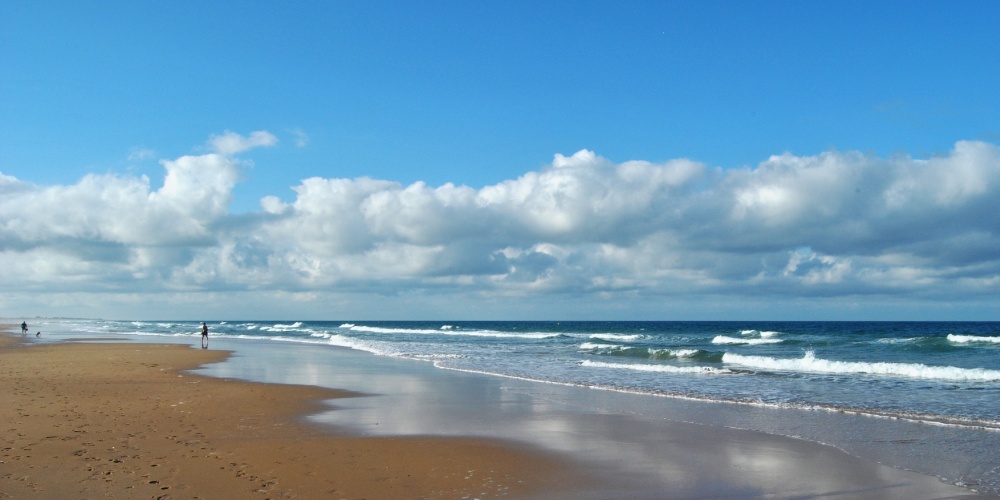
(233, 439)
(98, 420)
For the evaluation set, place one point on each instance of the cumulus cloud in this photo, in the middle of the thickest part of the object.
(111, 230)
(833, 224)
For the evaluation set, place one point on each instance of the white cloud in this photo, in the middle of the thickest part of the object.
(141, 154)
(829, 225)
(301, 138)
(231, 143)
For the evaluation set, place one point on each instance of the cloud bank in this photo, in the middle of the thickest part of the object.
(837, 224)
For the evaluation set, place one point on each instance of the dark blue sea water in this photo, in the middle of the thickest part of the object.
(943, 377)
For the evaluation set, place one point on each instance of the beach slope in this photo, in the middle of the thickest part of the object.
(123, 421)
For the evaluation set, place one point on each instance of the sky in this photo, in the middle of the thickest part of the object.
(514, 160)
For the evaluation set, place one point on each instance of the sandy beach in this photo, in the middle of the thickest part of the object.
(126, 420)
(121, 421)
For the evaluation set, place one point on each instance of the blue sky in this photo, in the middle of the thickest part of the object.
(745, 121)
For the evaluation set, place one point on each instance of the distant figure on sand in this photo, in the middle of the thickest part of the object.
(24, 328)
(38, 334)
(204, 336)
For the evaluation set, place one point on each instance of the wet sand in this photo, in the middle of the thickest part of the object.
(122, 421)
(125, 420)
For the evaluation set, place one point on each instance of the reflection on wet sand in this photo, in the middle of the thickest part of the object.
(645, 446)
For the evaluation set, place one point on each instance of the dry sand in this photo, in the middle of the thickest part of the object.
(123, 421)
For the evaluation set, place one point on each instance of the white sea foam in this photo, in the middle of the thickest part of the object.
(683, 353)
(278, 327)
(373, 347)
(501, 335)
(965, 339)
(810, 364)
(589, 346)
(711, 370)
(378, 329)
(898, 341)
(279, 338)
(665, 353)
(454, 333)
(673, 353)
(617, 337)
(436, 356)
(765, 334)
(722, 339)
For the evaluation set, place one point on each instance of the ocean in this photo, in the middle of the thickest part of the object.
(915, 395)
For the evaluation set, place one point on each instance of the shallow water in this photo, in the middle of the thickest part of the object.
(918, 396)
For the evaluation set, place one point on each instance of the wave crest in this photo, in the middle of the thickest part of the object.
(711, 370)
(809, 363)
(966, 339)
(722, 339)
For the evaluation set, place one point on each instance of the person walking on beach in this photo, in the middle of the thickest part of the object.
(24, 328)
(204, 335)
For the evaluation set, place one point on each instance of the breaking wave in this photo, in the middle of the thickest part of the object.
(966, 339)
(722, 339)
(711, 370)
(809, 363)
